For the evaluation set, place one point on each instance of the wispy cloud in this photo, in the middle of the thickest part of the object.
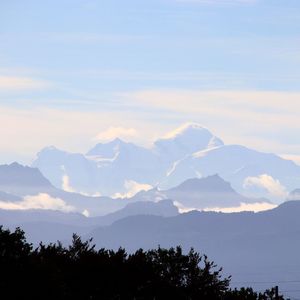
(116, 132)
(30, 129)
(267, 120)
(89, 38)
(255, 207)
(260, 114)
(40, 201)
(244, 101)
(13, 83)
(219, 2)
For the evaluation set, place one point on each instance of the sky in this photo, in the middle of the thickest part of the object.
(76, 72)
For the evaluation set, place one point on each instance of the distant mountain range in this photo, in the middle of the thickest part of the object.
(257, 249)
(52, 225)
(125, 195)
(205, 230)
(192, 151)
(245, 243)
(26, 188)
(200, 193)
(20, 180)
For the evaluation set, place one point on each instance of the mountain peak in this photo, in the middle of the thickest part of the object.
(117, 141)
(209, 183)
(185, 140)
(50, 149)
(185, 129)
(15, 178)
(110, 149)
(294, 195)
(15, 165)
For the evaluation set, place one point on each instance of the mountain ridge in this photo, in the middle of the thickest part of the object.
(188, 152)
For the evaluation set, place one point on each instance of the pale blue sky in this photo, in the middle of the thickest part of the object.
(71, 69)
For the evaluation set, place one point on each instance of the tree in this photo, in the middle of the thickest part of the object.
(82, 272)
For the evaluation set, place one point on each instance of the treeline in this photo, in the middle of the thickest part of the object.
(82, 272)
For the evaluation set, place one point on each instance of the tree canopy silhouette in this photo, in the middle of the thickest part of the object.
(82, 272)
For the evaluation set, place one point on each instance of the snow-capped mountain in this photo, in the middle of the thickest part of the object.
(118, 168)
(58, 166)
(250, 172)
(184, 141)
(106, 169)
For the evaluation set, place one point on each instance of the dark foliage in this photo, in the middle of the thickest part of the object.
(82, 272)
(249, 294)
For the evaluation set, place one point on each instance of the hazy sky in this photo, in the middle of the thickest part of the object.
(73, 72)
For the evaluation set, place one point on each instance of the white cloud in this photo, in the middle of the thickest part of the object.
(222, 2)
(255, 207)
(116, 132)
(40, 201)
(31, 129)
(267, 120)
(182, 208)
(232, 103)
(66, 184)
(86, 213)
(13, 83)
(268, 183)
(132, 187)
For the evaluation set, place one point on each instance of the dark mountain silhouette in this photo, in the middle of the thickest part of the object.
(208, 225)
(163, 208)
(9, 197)
(50, 226)
(200, 193)
(254, 247)
(19, 180)
(17, 217)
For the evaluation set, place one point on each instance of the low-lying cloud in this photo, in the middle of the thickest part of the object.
(255, 207)
(132, 188)
(183, 209)
(66, 186)
(40, 201)
(268, 183)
